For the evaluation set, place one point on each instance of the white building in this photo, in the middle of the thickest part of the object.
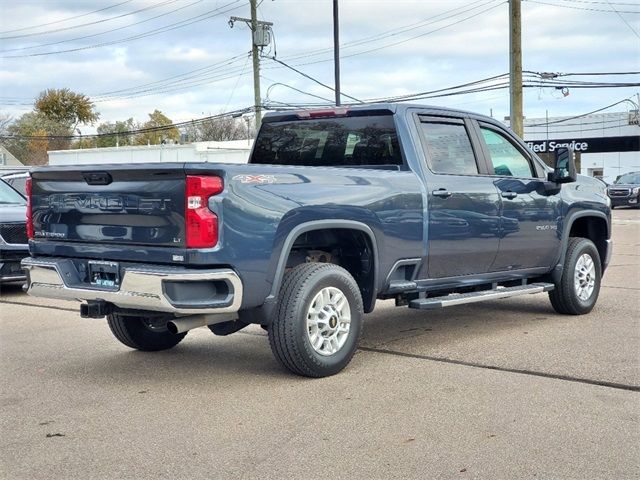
(607, 144)
(7, 159)
(236, 151)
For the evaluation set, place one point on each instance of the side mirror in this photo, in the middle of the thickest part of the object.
(564, 168)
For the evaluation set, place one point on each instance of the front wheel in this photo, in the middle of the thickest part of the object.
(577, 291)
(316, 327)
(146, 333)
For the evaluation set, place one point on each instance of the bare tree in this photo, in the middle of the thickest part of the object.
(217, 130)
(5, 121)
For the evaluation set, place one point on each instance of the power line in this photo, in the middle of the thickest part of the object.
(623, 19)
(183, 23)
(274, 84)
(311, 78)
(95, 22)
(579, 8)
(233, 90)
(392, 32)
(596, 122)
(600, 2)
(411, 96)
(579, 131)
(585, 74)
(411, 38)
(202, 71)
(411, 26)
(65, 19)
(581, 115)
(176, 86)
(106, 31)
(205, 72)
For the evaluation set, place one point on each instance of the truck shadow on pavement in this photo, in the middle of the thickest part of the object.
(455, 324)
(247, 353)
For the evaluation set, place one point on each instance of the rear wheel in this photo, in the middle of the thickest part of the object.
(146, 333)
(577, 291)
(316, 328)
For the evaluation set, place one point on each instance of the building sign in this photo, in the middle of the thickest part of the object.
(588, 145)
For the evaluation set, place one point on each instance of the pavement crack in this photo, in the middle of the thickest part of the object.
(566, 378)
(622, 288)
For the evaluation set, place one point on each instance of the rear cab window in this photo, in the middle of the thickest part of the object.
(364, 140)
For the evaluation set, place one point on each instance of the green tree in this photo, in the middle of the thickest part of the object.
(66, 107)
(56, 113)
(116, 129)
(154, 137)
(33, 151)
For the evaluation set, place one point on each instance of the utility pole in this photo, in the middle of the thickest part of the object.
(260, 37)
(336, 50)
(256, 64)
(515, 67)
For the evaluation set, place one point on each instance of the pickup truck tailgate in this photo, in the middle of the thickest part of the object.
(141, 205)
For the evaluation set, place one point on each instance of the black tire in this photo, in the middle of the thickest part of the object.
(564, 297)
(143, 333)
(288, 332)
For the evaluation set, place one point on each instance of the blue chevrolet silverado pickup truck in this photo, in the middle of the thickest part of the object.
(336, 208)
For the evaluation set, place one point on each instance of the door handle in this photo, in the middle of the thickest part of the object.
(442, 193)
(509, 194)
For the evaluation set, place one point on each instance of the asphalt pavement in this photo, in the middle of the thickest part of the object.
(506, 389)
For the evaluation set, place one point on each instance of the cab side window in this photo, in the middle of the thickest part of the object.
(449, 148)
(506, 158)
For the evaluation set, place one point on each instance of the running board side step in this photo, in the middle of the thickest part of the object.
(435, 303)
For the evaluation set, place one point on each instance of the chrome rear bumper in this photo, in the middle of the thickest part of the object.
(142, 287)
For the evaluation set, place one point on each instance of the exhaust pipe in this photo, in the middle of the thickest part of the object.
(184, 324)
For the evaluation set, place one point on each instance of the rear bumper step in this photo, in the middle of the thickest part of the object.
(143, 287)
(435, 303)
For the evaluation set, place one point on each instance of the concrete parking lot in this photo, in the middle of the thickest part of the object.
(501, 390)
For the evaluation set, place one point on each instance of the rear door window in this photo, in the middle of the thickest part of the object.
(449, 148)
(345, 141)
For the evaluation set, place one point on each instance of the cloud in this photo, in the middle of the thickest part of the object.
(182, 54)
(203, 68)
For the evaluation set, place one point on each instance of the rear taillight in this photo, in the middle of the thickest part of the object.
(29, 210)
(201, 224)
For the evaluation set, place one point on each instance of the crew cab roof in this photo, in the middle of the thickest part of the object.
(374, 108)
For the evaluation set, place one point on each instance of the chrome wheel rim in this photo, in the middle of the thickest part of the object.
(328, 321)
(585, 277)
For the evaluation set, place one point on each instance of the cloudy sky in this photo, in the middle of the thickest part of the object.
(181, 57)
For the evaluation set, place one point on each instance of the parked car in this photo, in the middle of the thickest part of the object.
(336, 208)
(18, 181)
(13, 234)
(625, 191)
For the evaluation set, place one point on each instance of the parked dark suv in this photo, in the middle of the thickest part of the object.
(625, 190)
(13, 234)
